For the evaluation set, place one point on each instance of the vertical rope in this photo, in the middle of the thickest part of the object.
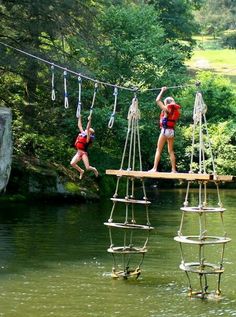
(181, 225)
(53, 94)
(126, 213)
(134, 146)
(94, 97)
(132, 214)
(66, 101)
(112, 210)
(110, 235)
(147, 216)
(112, 118)
(139, 148)
(130, 145)
(78, 110)
(201, 145)
(204, 204)
(125, 147)
(117, 187)
(218, 195)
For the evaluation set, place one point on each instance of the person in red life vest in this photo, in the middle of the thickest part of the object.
(83, 141)
(170, 113)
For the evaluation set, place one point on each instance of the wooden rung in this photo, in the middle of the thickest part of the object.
(204, 240)
(127, 250)
(178, 176)
(128, 226)
(224, 178)
(205, 268)
(131, 201)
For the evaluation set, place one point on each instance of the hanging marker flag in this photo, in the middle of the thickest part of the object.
(112, 118)
(78, 111)
(53, 95)
(66, 102)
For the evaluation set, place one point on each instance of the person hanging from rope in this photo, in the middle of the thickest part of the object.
(170, 113)
(83, 141)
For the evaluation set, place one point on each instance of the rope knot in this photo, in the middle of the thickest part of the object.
(134, 112)
(200, 107)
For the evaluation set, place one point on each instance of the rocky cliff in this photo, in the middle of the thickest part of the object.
(5, 146)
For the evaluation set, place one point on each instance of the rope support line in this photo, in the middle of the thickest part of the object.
(112, 118)
(172, 87)
(53, 95)
(94, 97)
(131, 89)
(66, 101)
(78, 111)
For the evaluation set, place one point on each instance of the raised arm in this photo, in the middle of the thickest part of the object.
(88, 128)
(158, 99)
(80, 124)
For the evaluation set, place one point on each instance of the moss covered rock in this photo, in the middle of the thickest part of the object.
(33, 179)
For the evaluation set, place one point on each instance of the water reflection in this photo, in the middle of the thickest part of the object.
(54, 263)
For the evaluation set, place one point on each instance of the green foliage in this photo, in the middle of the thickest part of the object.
(217, 94)
(44, 148)
(229, 39)
(136, 52)
(223, 140)
(216, 16)
(128, 43)
(177, 17)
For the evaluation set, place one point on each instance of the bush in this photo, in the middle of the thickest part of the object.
(229, 39)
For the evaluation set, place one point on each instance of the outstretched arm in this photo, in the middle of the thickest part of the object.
(80, 124)
(88, 128)
(158, 99)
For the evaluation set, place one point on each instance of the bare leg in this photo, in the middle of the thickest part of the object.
(160, 144)
(171, 152)
(74, 162)
(89, 167)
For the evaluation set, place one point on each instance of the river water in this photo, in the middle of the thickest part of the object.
(53, 262)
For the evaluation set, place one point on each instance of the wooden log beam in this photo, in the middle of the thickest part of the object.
(178, 176)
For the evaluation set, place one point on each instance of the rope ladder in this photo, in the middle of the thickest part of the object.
(133, 245)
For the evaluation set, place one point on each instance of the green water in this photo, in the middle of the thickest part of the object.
(53, 262)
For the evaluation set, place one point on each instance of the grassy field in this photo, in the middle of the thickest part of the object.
(220, 61)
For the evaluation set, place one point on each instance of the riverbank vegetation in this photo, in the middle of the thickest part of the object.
(141, 44)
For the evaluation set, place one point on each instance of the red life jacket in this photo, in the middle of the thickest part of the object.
(81, 141)
(172, 116)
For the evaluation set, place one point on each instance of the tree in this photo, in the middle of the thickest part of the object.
(135, 54)
(177, 18)
(216, 16)
(41, 26)
(132, 44)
